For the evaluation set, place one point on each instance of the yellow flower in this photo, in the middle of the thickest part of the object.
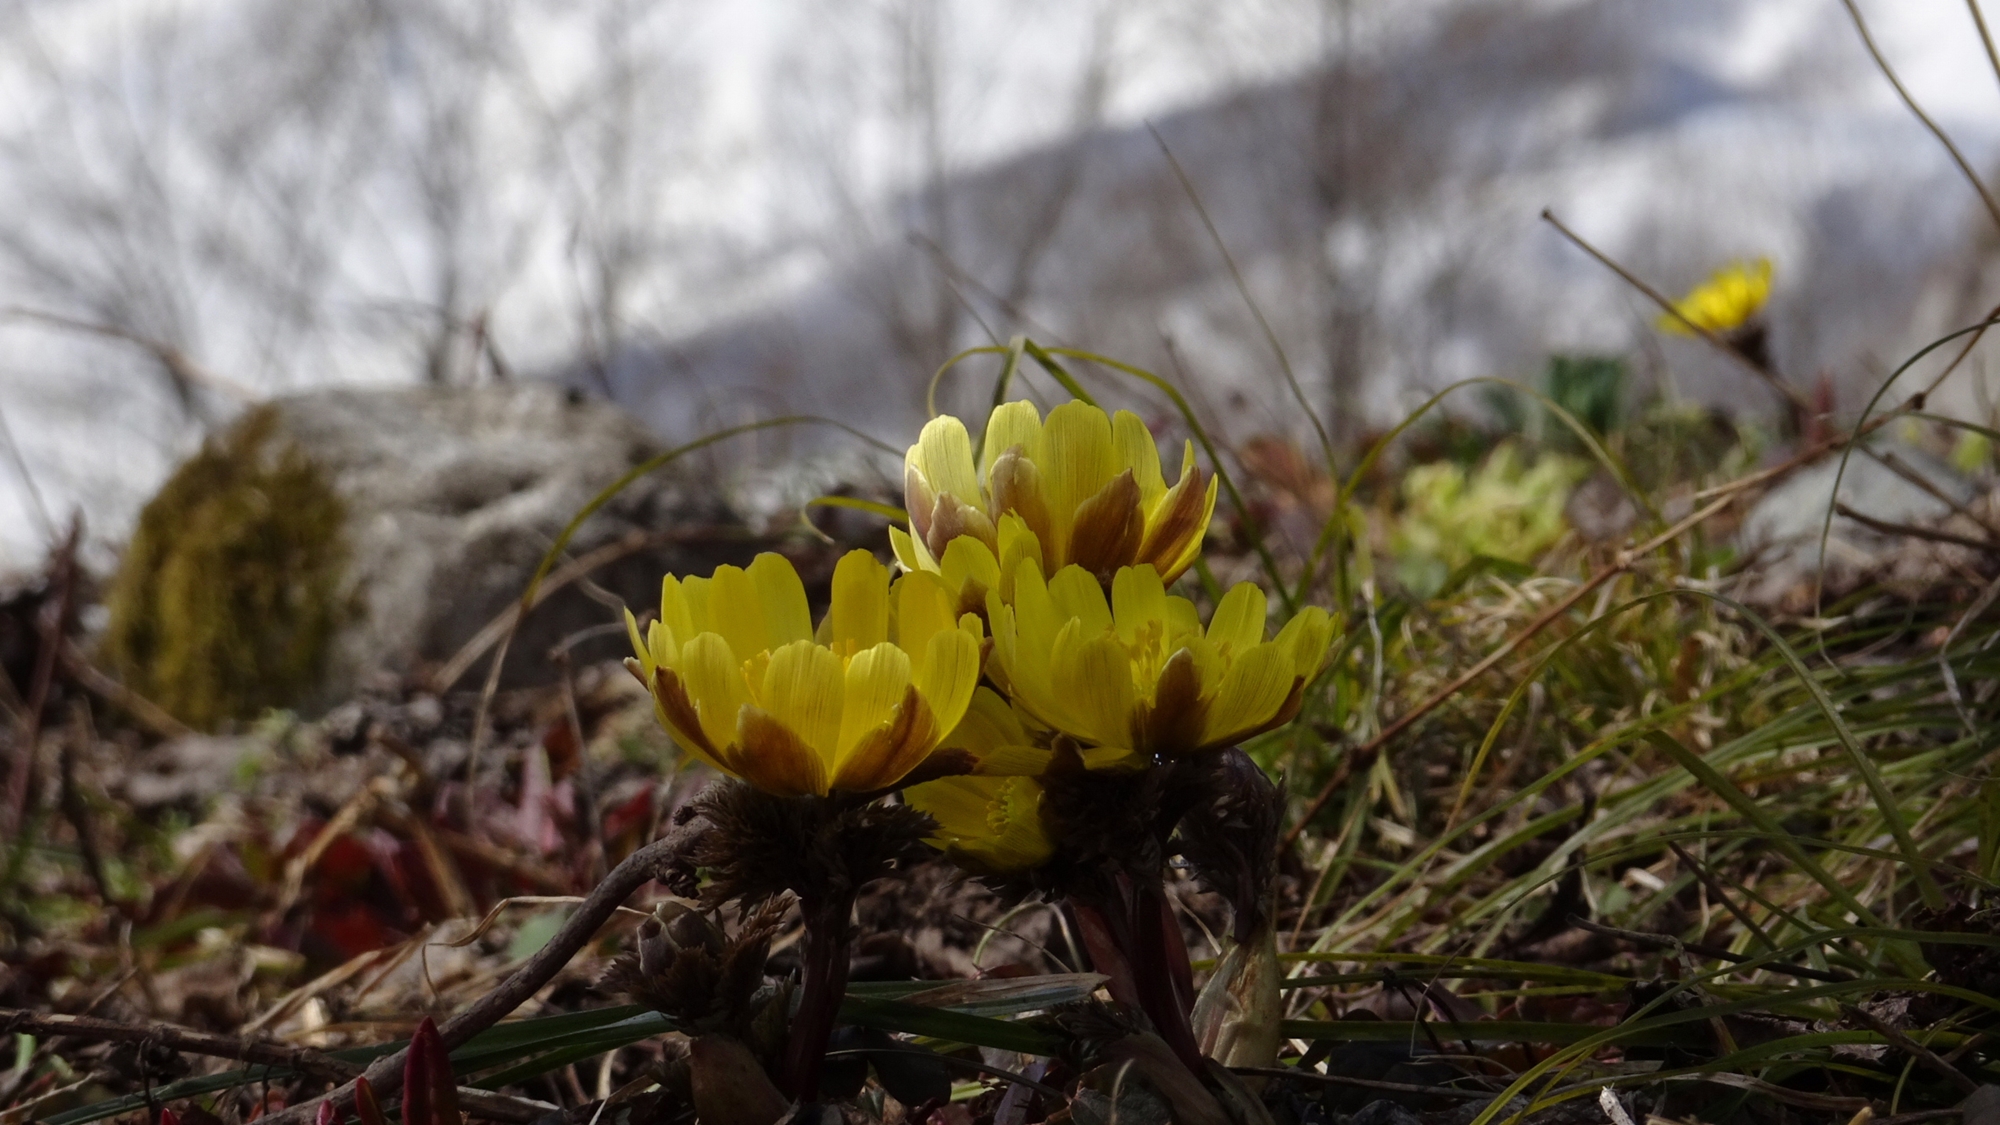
(1730, 296)
(987, 824)
(1083, 488)
(740, 679)
(1137, 678)
(990, 823)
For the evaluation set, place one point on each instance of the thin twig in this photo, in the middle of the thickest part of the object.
(54, 626)
(150, 715)
(1668, 941)
(1957, 157)
(653, 861)
(77, 812)
(1243, 290)
(1792, 394)
(183, 370)
(1887, 527)
(1985, 36)
(1909, 473)
(1912, 1048)
(257, 1051)
(1719, 893)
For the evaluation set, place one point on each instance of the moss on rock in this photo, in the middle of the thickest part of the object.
(231, 590)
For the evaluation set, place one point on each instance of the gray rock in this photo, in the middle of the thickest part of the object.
(454, 494)
(1782, 530)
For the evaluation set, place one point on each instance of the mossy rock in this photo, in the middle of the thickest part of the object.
(337, 540)
(231, 590)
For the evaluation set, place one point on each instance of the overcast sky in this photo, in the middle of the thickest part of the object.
(759, 125)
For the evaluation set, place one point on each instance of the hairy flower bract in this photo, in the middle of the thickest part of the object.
(743, 682)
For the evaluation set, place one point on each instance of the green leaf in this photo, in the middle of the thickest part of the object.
(955, 1027)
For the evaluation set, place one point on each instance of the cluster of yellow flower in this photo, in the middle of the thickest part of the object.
(1031, 617)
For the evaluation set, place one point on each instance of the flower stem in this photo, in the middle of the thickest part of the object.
(1132, 940)
(1164, 976)
(825, 959)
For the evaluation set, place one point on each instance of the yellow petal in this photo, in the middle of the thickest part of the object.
(1108, 527)
(736, 611)
(781, 598)
(1306, 637)
(774, 758)
(1137, 597)
(1023, 635)
(943, 454)
(859, 615)
(1014, 760)
(1018, 543)
(888, 753)
(661, 646)
(694, 592)
(804, 687)
(639, 646)
(713, 679)
(947, 675)
(676, 711)
(1012, 425)
(1077, 460)
(876, 680)
(1253, 690)
(1138, 452)
(1239, 619)
(1116, 759)
(989, 721)
(1096, 683)
(1077, 594)
(919, 498)
(906, 551)
(969, 569)
(1177, 524)
(925, 607)
(957, 804)
(1174, 717)
(675, 613)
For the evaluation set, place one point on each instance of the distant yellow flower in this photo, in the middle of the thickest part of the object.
(741, 681)
(1083, 488)
(1730, 296)
(987, 824)
(1138, 678)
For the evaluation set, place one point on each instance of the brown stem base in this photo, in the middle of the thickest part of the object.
(825, 959)
(1133, 940)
